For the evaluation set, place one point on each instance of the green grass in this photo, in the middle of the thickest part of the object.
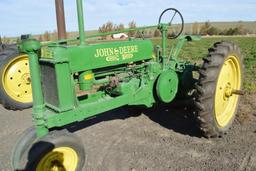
(194, 51)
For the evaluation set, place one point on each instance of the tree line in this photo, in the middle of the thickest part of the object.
(196, 28)
(208, 29)
(109, 26)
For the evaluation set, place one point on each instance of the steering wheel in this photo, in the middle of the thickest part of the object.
(175, 34)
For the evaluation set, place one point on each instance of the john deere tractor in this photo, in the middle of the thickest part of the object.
(74, 80)
(15, 83)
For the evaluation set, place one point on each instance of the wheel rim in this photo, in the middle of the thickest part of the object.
(16, 79)
(59, 159)
(228, 81)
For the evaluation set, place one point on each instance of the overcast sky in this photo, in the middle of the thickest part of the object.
(36, 16)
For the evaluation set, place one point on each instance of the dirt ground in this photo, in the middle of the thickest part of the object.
(161, 140)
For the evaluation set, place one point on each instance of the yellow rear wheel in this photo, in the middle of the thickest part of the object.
(218, 89)
(15, 82)
(16, 79)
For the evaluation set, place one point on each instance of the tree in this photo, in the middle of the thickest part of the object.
(230, 31)
(46, 36)
(54, 35)
(120, 27)
(108, 27)
(132, 25)
(213, 31)
(208, 29)
(195, 28)
(241, 29)
(149, 34)
(204, 28)
(138, 34)
(157, 33)
(40, 38)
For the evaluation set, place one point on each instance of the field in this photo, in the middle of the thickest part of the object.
(197, 49)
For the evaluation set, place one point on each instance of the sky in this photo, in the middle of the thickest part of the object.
(36, 16)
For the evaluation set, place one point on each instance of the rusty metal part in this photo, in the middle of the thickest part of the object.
(238, 92)
(114, 82)
(60, 16)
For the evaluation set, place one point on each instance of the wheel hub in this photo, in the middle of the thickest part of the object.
(227, 91)
(59, 159)
(26, 79)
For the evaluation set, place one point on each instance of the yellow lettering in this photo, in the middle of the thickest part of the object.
(111, 51)
(112, 54)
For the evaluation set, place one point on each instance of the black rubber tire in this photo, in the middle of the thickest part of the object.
(8, 54)
(206, 88)
(22, 144)
(29, 151)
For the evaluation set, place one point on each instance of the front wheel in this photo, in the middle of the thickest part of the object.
(218, 89)
(59, 150)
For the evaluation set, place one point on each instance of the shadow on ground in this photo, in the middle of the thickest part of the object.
(175, 118)
(169, 116)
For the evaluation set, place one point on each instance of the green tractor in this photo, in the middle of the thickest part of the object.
(15, 83)
(74, 82)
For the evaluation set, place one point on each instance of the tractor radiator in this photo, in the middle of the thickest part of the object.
(49, 83)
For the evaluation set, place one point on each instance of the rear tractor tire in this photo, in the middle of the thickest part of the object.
(15, 83)
(59, 150)
(218, 89)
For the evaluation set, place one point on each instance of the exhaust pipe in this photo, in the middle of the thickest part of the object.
(60, 16)
(80, 15)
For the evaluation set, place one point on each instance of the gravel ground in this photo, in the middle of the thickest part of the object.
(163, 139)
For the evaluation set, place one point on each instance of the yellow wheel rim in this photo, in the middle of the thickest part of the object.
(225, 101)
(59, 159)
(16, 79)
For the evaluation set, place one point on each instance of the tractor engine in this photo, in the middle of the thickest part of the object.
(106, 70)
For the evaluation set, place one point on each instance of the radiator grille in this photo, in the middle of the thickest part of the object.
(49, 84)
